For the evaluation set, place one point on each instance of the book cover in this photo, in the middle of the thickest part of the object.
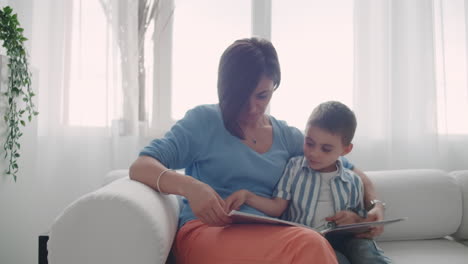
(246, 218)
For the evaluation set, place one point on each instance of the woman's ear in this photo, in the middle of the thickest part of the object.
(347, 149)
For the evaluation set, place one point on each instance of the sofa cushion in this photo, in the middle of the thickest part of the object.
(462, 179)
(431, 200)
(425, 251)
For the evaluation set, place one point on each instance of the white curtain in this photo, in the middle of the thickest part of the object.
(84, 60)
(78, 135)
(400, 97)
(83, 93)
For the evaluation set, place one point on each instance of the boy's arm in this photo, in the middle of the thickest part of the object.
(270, 206)
(273, 207)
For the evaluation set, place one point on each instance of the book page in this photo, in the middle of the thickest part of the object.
(238, 217)
(360, 227)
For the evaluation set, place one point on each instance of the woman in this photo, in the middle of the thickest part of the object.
(230, 146)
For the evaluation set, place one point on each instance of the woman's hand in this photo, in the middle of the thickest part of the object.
(207, 205)
(375, 214)
(235, 200)
(345, 217)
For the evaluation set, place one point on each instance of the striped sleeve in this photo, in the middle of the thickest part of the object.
(361, 208)
(283, 189)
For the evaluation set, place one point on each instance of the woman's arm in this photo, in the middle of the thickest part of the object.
(146, 170)
(377, 212)
(270, 206)
(206, 204)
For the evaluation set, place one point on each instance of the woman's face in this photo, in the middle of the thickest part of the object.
(258, 101)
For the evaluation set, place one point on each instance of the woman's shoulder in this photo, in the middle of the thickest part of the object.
(205, 112)
(205, 109)
(287, 131)
(283, 125)
(290, 137)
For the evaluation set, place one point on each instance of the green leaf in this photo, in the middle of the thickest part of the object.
(7, 10)
(18, 86)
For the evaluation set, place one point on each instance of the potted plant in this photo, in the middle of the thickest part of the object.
(18, 89)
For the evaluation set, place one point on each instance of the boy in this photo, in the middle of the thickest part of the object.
(318, 188)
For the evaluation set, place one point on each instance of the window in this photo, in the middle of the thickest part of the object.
(89, 67)
(202, 30)
(451, 69)
(315, 46)
(314, 43)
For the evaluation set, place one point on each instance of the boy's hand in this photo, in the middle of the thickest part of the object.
(235, 200)
(344, 218)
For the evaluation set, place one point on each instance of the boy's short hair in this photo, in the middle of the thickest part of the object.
(336, 118)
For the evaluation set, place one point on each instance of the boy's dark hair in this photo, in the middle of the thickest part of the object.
(241, 67)
(335, 118)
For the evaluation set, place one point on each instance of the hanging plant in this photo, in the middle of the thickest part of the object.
(19, 93)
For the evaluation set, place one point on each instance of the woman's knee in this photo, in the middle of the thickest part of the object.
(311, 239)
(310, 245)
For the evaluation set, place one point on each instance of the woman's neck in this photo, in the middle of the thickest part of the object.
(261, 122)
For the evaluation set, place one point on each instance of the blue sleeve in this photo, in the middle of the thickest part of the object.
(182, 144)
(346, 163)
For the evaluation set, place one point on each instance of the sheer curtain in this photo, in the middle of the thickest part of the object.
(81, 92)
(84, 58)
(87, 86)
(403, 98)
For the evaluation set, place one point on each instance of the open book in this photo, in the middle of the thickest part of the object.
(246, 218)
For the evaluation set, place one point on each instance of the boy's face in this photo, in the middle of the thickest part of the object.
(322, 149)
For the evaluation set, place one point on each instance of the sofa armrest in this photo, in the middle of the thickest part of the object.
(123, 222)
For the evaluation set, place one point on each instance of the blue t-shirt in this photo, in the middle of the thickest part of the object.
(200, 143)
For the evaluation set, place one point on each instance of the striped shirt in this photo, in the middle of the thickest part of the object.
(300, 185)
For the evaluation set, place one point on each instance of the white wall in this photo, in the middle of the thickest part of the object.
(20, 202)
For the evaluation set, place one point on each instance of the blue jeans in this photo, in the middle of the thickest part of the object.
(357, 250)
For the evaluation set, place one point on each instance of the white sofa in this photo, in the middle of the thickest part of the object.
(127, 222)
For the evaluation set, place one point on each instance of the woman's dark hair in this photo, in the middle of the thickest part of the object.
(241, 67)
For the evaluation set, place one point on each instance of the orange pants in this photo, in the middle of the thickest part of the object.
(197, 243)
